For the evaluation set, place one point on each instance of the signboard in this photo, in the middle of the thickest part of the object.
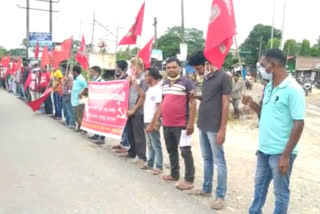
(157, 54)
(106, 110)
(103, 60)
(183, 51)
(44, 39)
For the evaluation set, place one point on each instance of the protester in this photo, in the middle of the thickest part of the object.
(178, 114)
(281, 125)
(151, 121)
(26, 70)
(57, 88)
(79, 89)
(44, 84)
(121, 74)
(212, 123)
(237, 87)
(67, 83)
(2, 79)
(95, 73)
(34, 88)
(135, 122)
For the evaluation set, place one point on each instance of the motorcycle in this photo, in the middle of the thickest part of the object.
(307, 85)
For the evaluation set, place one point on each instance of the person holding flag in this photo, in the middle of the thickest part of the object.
(56, 78)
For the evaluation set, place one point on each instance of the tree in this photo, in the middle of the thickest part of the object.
(3, 51)
(229, 61)
(259, 33)
(275, 43)
(127, 53)
(315, 51)
(290, 47)
(169, 43)
(305, 49)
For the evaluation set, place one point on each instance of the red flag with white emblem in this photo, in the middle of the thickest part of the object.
(221, 29)
(81, 56)
(145, 54)
(131, 37)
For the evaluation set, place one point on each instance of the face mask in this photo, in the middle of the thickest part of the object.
(265, 75)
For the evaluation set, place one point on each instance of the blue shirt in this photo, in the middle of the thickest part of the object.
(79, 84)
(280, 107)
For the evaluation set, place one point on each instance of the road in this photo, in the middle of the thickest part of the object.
(48, 169)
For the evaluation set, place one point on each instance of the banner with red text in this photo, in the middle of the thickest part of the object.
(106, 111)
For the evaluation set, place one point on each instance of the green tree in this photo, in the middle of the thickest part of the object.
(3, 51)
(276, 43)
(127, 53)
(305, 49)
(259, 33)
(315, 51)
(169, 43)
(290, 47)
(229, 61)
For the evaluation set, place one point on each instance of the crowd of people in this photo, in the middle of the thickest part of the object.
(171, 102)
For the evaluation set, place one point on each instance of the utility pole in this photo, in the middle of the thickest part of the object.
(155, 24)
(272, 30)
(93, 26)
(182, 21)
(50, 16)
(260, 47)
(27, 26)
(283, 21)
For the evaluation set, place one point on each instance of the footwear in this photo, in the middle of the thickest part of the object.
(218, 204)
(124, 155)
(99, 142)
(141, 163)
(199, 192)
(145, 166)
(116, 147)
(184, 185)
(168, 178)
(155, 171)
(94, 137)
(72, 126)
(121, 150)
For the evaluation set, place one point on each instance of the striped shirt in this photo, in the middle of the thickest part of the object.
(175, 104)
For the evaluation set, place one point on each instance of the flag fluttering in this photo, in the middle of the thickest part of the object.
(81, 56)
(45, 58)
(61, 53)
(145, 54)
(221, 29)
(36, 52)
(136, 29)
(36, 104)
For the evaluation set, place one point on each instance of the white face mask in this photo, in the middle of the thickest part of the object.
(264, 74)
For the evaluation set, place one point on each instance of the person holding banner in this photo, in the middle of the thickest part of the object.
(178, 113)
(151, 121)
(212, 123)
(135, 113)
(79, 89)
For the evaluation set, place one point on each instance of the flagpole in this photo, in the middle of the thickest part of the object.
(283, 21)
(239, 60)
(272, 29)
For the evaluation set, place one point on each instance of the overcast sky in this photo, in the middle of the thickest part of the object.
(302, 18)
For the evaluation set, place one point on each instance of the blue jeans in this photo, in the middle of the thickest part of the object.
(154, 149)
(267, 169)
(213, 154)
(124, 138)
(68, 112)
(57, 104)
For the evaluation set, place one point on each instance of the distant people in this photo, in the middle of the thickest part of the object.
(178, 113)
(281, 125)
(121, 74)
(212, 124)
(237, 87)
(57, 77)
(151, 121)
(79, 89)
(136, 133)
(34, 88)
(44, 84)
(95, 75)
(67, 84)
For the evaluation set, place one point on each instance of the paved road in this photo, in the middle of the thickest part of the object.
(48, 169)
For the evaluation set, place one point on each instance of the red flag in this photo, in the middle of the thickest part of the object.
(220, 33)
(131, 37)
(13, 68)
(81, 56)
(5, 61)
(19, 63)
(36, 52)
(28, 81)
(145, 54)
(61, 53)
(45, 59)
(36, 104)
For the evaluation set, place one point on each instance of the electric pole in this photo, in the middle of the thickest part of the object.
(50, 16)
(93, 26)
(272, 30)
(182, 21)
(155, 23)
(27, 26)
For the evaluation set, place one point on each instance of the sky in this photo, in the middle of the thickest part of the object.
(75, 18)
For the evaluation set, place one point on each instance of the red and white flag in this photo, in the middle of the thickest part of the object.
(61, 53)
(45, 59)
(81, 56)
(221, 29)
(36, 52)
(131, 37)
(145, 54)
